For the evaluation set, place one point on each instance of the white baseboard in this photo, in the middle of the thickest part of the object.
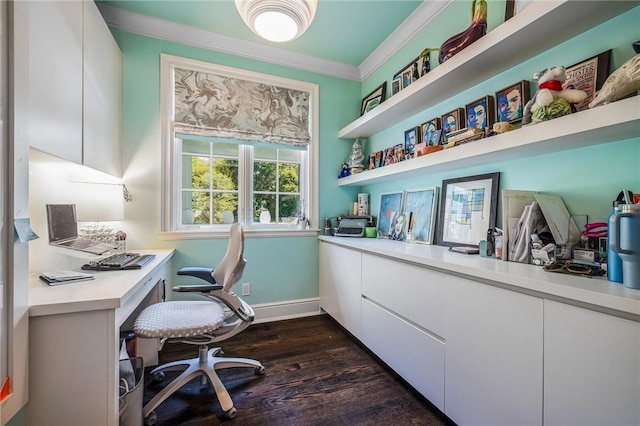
(268, 312)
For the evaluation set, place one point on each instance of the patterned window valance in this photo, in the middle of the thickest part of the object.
(217, 106)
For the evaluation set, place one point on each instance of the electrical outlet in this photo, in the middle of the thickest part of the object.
(246, 289)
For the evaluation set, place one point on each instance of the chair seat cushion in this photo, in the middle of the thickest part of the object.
(177, 319)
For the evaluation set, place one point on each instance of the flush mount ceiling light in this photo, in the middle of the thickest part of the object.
(277, 20)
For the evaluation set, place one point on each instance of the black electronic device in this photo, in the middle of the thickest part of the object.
(119, 261)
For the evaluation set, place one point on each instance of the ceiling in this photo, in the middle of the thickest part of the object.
(347, 32)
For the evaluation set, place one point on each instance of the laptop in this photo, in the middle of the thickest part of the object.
(63, 231)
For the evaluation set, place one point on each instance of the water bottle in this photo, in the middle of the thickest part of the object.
(614, 263)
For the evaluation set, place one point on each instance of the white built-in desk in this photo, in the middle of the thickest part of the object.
(74, 342)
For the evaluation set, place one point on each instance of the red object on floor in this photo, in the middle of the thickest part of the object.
(5, 389)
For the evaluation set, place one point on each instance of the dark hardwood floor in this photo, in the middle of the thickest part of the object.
(316, 374)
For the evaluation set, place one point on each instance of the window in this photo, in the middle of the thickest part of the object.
(255, 165)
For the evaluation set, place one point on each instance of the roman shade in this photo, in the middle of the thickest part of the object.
(211, 105)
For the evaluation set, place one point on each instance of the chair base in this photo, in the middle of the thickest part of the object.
(205, 366)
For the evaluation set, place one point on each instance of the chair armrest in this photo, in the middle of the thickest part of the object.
(198, 272)
(200, 288)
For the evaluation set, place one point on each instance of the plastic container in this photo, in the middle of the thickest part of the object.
(614, 263)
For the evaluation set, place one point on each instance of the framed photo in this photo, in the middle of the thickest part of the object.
(398, 152)
(411, 139)
(396, 84)
(510, 102)
(588, 76)
(452, 121)
(468, 208)
(479, 113)
(409, 73)
(371, 164)
(420, 210)
(389, 213)
(430, 133)
(389, 156)
(374, 98)
(379, 156)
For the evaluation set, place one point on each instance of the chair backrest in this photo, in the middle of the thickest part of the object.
(230, 269)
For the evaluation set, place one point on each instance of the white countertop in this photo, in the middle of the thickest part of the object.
(109, 290)
(596, 292)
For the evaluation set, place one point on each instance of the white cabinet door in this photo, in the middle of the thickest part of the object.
(415, 293)
(340, 288)
(102, 94)
(493, 355)
(54, 73)
(412, 353)
(591, 367)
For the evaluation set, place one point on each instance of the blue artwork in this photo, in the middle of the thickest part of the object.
(390, 203)
(420, 206)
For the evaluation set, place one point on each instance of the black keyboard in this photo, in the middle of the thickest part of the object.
(119, 261)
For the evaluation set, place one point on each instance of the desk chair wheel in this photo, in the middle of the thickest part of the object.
(260, 371)
(230, 413)
(158, 377)
(151, 419)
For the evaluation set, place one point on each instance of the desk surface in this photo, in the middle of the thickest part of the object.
(110, 289)
(596, 292)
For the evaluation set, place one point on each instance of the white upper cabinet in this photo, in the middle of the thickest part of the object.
(72, 67)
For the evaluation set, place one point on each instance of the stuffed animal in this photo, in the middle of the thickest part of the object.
(622, 82)
(550, 100)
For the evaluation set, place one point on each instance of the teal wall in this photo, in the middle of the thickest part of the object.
(588, 179)
(278, 268)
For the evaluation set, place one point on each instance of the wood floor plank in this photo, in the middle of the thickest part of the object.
(316, 374)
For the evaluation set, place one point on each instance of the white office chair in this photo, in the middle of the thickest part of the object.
(202, 323)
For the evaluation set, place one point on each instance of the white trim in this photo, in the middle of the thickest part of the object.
(148, 26)
(288, 309)
(137, 23)
(419, 19)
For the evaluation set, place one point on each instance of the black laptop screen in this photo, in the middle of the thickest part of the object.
(62, 222)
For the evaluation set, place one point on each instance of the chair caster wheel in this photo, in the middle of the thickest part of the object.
(151, 419)
(230, 413)
(260, 371)
(158, 377)
(219, 352)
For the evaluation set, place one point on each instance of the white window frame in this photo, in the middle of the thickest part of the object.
(171, 215)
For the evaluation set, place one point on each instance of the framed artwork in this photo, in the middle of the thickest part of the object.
(429, 130)
(379, 155)
(389, 156)
(409, 73)
(420, 210)
(452, 121)
(588, 76)
(468, 208)
(374, 98)
(372, 162)
(479, 113)
(389, 213)
(398, 152)
(510, 102)
(396, 84)
(411, 139)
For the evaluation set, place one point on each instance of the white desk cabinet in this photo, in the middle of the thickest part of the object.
(74, 343)
(493, 360)
(591, 367)
(340, 291)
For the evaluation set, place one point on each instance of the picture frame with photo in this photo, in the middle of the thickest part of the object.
(389, 212)
(379, 156)
(399, 153)
(420, 209)
(389, 156)
(588, 76)
(371, 164)
(430, 134)
(468, 208)
(409, 73)
(412, 137)
(396, 84)
(452, 121)
(510, 102)
(373, 99)
(479, 113)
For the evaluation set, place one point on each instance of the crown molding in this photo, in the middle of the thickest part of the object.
(145, 25)
(420, 18)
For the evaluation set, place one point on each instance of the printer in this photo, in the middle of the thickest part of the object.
(353, 226)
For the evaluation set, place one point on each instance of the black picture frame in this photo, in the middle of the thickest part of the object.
(373, 99)
(479, 113)
(589, 76)
(453, 121)
(510, 102)
(468, 208)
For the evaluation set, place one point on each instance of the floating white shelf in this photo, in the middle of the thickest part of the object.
(540, 26)
(609, 123)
